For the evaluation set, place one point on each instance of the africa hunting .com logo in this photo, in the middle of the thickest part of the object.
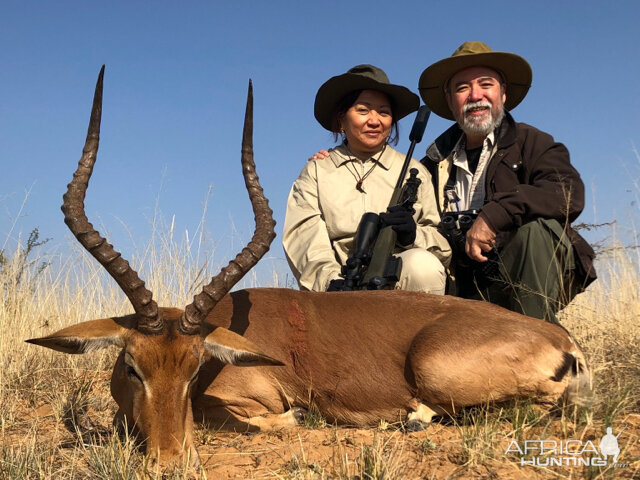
(568, 453)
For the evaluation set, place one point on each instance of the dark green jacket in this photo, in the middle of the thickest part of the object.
(529, 176)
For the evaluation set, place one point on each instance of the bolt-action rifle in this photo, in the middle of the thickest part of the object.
(372, 265)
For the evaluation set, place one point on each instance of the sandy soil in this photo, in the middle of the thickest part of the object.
(444, 450)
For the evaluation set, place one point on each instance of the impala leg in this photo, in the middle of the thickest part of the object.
(226, 419)
(247, 415)
(244, 399)
(288, 419)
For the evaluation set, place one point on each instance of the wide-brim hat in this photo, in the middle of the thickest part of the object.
(515, 71)
(361, 77)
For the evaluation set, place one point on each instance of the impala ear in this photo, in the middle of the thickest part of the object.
(234, 349)
(84, 337)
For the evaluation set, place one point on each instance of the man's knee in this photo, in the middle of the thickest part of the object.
(537, 232)
(538, 244)
(421, 272)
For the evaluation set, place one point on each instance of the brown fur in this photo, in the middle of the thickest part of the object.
(364, 356)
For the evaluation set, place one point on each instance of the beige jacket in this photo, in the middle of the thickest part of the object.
(324, 209)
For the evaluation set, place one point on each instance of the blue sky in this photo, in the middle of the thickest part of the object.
(175, 86)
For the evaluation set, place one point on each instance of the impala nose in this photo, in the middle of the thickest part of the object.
(175, 460)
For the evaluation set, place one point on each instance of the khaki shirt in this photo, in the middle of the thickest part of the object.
(324, 209)
(469, 186)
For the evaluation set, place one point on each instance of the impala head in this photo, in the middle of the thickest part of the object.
(162, 348)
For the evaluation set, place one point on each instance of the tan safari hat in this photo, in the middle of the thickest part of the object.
(514, 69)
(361, 77)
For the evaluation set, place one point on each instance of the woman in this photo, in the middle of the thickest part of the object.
(330, 196)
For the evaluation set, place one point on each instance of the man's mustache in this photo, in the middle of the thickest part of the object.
(482, 104)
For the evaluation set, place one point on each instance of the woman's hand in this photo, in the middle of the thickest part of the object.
(336, 285)
(402, 222)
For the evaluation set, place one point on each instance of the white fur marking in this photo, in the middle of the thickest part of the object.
(88, 345)
(240, 358)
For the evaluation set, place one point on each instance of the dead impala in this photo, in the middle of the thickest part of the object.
(359, 357)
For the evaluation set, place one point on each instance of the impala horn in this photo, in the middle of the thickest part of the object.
(203, 303)
(76, 219)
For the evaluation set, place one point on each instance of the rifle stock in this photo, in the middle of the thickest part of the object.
(379, 273)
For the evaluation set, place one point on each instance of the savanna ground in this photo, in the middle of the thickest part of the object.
(56, 410)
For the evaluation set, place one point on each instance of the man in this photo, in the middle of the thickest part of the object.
(520, 251)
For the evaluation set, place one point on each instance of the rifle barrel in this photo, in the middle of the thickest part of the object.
(417, 130)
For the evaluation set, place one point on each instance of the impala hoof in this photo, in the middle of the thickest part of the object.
(299, 414)
(415, 426)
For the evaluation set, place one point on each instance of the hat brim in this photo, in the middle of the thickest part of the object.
(334, 89)
(515, 70)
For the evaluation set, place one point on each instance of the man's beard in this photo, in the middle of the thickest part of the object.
(480, 127)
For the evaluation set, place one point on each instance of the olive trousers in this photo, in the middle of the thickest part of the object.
(535, 272)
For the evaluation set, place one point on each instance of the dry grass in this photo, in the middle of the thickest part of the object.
(55, 409)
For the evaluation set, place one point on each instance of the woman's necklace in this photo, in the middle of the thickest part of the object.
(368, 172)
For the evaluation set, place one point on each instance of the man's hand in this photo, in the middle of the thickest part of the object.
(480, 238)
(321, 155)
